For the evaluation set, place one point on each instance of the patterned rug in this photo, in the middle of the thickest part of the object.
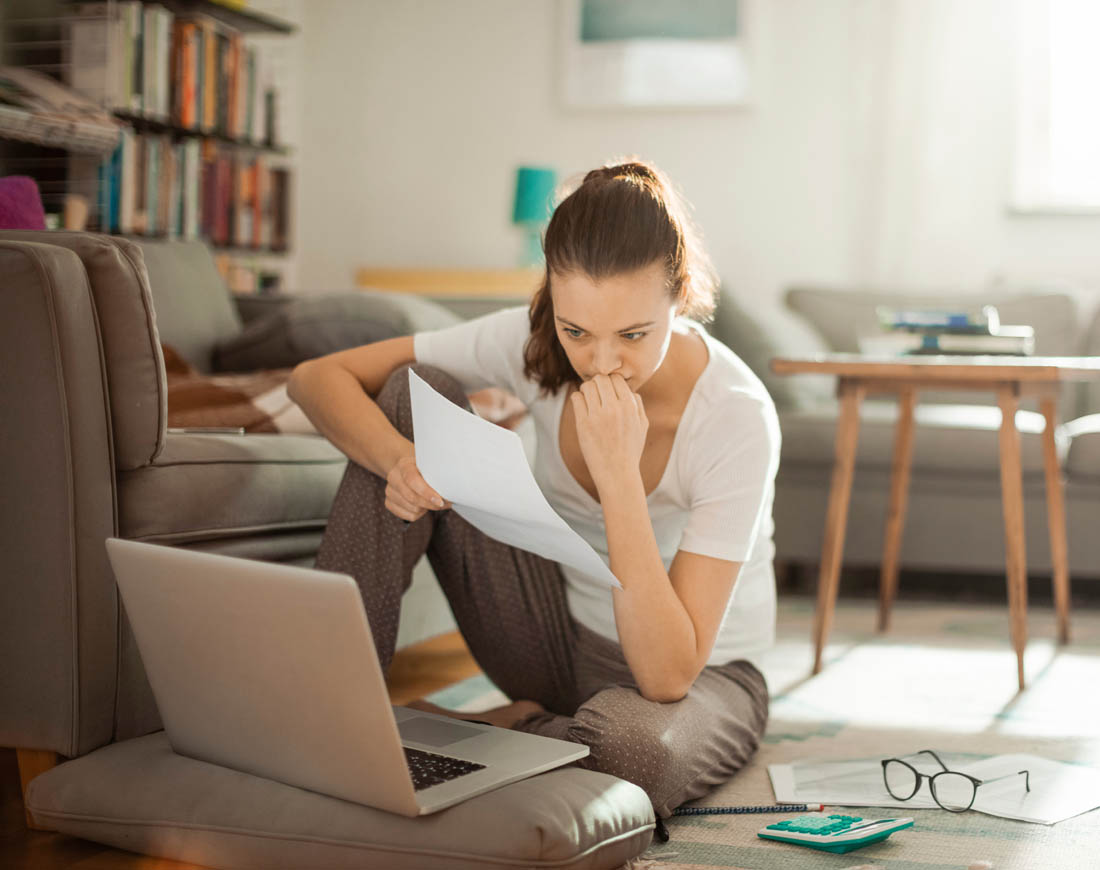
(944, 678)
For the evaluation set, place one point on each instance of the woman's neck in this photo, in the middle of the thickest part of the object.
(672, 383)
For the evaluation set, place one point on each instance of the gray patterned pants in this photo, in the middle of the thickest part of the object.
(511, 609)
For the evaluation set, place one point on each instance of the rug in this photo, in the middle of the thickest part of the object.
(943, 678)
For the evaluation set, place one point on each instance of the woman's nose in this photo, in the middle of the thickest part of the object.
(606, 361)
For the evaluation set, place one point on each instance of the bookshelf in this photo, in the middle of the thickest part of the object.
(194, 111)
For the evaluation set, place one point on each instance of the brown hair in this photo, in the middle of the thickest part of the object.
(622, 217)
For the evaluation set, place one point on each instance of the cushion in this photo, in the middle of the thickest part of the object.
(205, 486)
(758, 335)
(194, 307)
(1084, 449)
(961, 438)
(128, 334)
(140, 796)
(1090, 390)
(20, 204)
(312, 327)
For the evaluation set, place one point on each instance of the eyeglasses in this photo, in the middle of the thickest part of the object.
(952, 790)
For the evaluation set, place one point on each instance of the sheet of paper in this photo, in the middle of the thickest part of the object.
(1059, 791)
(481, 469)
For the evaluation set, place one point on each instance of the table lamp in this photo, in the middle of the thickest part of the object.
(531, 211)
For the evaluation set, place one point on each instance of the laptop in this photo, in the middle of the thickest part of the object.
(271, 670)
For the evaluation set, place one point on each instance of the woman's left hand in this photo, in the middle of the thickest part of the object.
(611, 427)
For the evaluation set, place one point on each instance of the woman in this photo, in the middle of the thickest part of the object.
(655, 443)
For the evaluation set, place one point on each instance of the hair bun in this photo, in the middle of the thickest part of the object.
(627, 169)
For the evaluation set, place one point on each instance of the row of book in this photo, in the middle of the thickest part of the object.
(193, 188)
(188, 70)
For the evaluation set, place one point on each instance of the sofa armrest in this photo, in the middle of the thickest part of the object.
(58, 637)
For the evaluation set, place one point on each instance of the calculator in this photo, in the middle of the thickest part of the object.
(833, 833)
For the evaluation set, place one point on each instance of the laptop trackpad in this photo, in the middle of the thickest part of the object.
(435, 732)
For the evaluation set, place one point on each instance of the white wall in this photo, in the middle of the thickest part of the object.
(878, 151)
(945, 141)
(419, 112)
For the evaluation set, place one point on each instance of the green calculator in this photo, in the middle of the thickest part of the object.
(833, 833)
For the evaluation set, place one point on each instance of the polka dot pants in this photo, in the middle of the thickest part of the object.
(511, 609)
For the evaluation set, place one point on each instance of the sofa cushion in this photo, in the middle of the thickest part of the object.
(193, 305)
(1090, 391)
(205, 486)
(311, 327)
(128, 335)
(1084, 449)
(140, 796)
(760, 334)
(946, 437)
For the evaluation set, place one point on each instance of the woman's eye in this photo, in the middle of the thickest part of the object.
(571, 332)
(632, 336)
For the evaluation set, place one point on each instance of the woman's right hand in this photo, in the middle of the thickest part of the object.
(408, 495)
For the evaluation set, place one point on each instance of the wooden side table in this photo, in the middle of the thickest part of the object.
(1009, 378)
(473, 283)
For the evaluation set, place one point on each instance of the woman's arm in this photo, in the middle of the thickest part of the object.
(335, 393)
(667, 621)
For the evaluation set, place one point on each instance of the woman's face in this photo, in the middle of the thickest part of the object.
(621, 324)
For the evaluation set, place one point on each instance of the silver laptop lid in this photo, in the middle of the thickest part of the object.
(265, 668)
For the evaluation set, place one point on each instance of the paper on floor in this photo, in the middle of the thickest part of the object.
(481, 469)
(1059, 791)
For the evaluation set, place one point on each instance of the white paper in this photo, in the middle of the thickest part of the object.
(481, 469)
(1059, 791)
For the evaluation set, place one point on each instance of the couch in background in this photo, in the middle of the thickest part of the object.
(954, 520)
(86, 453)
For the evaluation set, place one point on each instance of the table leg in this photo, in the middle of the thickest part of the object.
(1056, 517)
(895, 517)
(850, 395)
(1012, 499)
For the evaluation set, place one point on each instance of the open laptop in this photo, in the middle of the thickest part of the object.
(271, 669)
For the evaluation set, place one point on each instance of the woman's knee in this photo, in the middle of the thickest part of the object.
(394, 399)
(628, 737)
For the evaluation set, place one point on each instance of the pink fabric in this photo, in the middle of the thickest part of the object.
(20, 204)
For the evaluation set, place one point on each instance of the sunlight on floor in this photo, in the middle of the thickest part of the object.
(941, 668)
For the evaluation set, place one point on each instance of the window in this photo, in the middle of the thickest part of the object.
(1057, 162)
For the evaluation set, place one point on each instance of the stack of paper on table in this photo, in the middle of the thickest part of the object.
(482, 470)
(1058, 791)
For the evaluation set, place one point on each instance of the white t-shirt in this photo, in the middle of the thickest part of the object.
(715, 497)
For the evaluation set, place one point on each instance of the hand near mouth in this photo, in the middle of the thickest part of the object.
(611, 427)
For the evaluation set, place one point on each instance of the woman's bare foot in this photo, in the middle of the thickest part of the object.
(502, 717)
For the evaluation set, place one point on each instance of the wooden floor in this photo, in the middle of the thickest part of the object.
(416, 671)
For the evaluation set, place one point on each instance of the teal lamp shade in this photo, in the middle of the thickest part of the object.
(533, 204)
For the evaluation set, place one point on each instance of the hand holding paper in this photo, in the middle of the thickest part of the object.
(481, 469)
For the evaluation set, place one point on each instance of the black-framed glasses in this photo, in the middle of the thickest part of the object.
(951, 789)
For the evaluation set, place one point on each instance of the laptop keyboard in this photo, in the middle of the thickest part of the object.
(429, 769)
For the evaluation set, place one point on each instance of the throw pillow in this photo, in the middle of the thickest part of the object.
(312, 327)
(758, 336)
(20, 204)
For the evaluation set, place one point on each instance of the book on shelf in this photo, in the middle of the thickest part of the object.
(36, 108)
(151, 185)
(185, 69)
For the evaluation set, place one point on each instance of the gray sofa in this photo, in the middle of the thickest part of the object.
(954, 521)
(85, 454)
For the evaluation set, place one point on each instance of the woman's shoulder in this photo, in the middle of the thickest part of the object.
(728, 380)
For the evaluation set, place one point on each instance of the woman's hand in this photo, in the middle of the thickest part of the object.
(611, 427)
(408, 495)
